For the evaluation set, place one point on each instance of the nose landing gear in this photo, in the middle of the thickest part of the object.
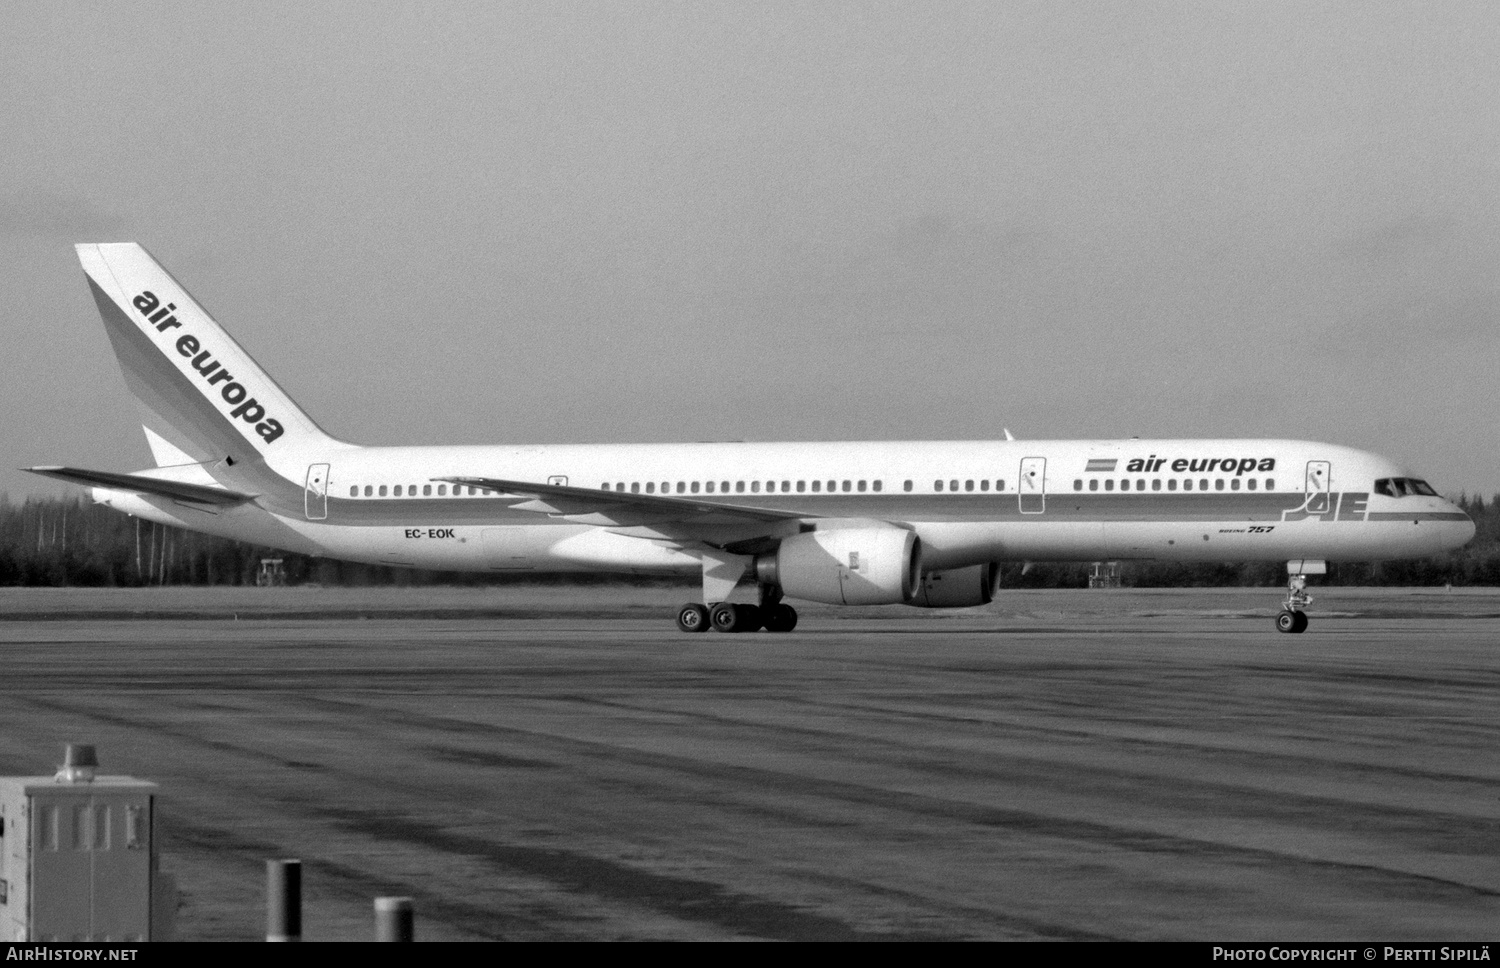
(1292, 618)
(1290, 621)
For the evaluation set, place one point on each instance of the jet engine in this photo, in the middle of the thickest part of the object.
(846, 566)
(958, 587)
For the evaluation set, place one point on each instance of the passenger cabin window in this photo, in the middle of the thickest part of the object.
(382, 490)
(354, 491)
(937, 485)
(442, 489)
(906, 485)
(817, 486)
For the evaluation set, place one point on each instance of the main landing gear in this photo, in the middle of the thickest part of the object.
(771, 614)
(1292, 619)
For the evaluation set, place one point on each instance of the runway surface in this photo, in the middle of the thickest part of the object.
(543, 763)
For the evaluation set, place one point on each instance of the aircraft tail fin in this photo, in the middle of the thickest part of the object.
(203, 394)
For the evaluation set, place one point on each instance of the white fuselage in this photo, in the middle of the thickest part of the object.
(969, 502)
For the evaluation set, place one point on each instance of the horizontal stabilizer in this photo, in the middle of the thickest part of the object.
(176, 490)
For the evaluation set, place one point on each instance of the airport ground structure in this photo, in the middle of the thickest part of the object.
(550, 763)
(69, 541)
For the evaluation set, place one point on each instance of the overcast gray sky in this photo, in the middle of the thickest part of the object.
(564, 222)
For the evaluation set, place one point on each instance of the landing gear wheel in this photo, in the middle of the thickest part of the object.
(692, 618)
(779, 618)
(1301, 623)
(729, 617)
(1292, 622)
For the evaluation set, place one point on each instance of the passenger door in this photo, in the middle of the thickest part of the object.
(1319, 474)
(1033, 483)
(315, 497)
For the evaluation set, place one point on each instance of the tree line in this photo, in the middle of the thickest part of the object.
(70, 541)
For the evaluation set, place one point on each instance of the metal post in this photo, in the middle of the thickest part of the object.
(393, 919)
(283, 900)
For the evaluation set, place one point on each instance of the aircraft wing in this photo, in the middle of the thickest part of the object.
(656, 516)
(176, 490)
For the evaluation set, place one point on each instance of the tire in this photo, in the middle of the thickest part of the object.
(780, 618)
(725, 617)
(692, 618)
(1301, 625)
(1287, 621)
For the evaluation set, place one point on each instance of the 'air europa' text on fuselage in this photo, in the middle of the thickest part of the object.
(245, 407)
(1201, 465)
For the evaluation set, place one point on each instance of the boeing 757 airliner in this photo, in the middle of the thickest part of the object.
(921, 523)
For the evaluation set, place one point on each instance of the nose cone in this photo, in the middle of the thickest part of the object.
(1457, 528)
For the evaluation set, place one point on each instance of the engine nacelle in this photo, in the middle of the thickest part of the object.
(846, 566)
(958, 587)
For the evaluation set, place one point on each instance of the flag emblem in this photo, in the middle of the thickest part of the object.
(1101, 465)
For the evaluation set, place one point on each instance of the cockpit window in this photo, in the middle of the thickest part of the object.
(1403, 487)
